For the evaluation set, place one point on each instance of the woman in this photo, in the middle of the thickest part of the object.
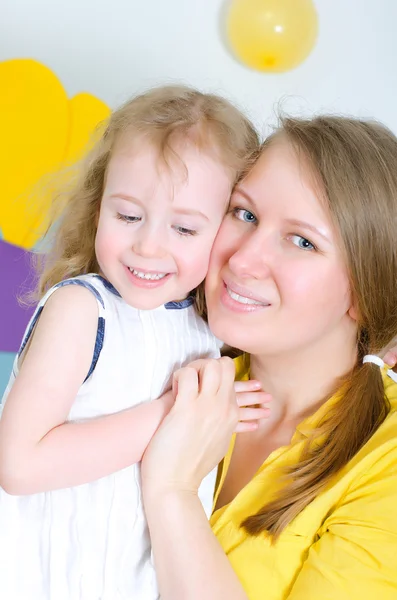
(303, 279)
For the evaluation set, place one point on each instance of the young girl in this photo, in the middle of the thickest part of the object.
(116, 319)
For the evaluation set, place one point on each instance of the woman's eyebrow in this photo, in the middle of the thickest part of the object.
(239, 190)
(294, 222)
(304, 225)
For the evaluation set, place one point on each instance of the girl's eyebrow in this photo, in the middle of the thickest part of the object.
(191, 211)
(126, 197)
(178, 211)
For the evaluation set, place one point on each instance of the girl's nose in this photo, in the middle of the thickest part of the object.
(149, 243)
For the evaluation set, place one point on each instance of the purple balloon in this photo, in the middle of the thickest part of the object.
(17, 278)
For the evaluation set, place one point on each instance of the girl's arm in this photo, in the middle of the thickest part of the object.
(38, 450)
(191, 441)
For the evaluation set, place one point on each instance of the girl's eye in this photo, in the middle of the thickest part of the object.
(244, 215)
(127, 218)
(185, 231)
(302, 242)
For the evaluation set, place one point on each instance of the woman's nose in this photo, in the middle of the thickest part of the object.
(253, 258)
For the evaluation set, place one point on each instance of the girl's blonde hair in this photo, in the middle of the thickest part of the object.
(164, 117)
(355, 166)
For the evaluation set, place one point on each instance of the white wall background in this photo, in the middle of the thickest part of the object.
(115, 48)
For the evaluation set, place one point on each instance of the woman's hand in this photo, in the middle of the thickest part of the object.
(189, 443)
(195, 435)
(250, 398)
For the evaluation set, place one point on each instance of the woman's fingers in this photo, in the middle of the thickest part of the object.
(253, 398)
(196, 433)
(228, 373)
(227, 396)
(186, 385)
(210, 377)
(206, 378)
(217, 377)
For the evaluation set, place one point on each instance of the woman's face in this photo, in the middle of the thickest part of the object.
(277, 281)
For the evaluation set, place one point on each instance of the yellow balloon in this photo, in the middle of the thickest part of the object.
(272, 35)
(41, 130)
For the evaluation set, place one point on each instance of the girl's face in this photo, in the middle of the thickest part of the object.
(156, 226)
(277, 282)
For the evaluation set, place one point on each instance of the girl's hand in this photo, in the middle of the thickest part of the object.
(195, 435)
(390, 357)
(252, 402)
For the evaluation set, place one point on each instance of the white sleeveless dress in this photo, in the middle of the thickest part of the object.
(91, 542)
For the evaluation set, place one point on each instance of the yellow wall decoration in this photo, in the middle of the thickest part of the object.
(272, 35)
(42, 130)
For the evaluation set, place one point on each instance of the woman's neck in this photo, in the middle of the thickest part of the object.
(299, 381)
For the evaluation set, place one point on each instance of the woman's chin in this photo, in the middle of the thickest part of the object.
(236, 325)
(231, 333)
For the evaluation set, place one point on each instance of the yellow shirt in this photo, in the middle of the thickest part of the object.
(343, 545)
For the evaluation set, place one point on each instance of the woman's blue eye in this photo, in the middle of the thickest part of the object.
(302, 242)
(127, 218)
(244, 215)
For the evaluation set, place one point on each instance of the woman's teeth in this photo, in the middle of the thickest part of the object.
(242, 299)
(150, 276)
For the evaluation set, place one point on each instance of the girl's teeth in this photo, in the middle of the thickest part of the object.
(150, 276)
(241, 299)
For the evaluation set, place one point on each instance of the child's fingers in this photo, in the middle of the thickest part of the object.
(252, 398)
(390, 358)
(253, 414)
(247, 386)
(246, 426)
